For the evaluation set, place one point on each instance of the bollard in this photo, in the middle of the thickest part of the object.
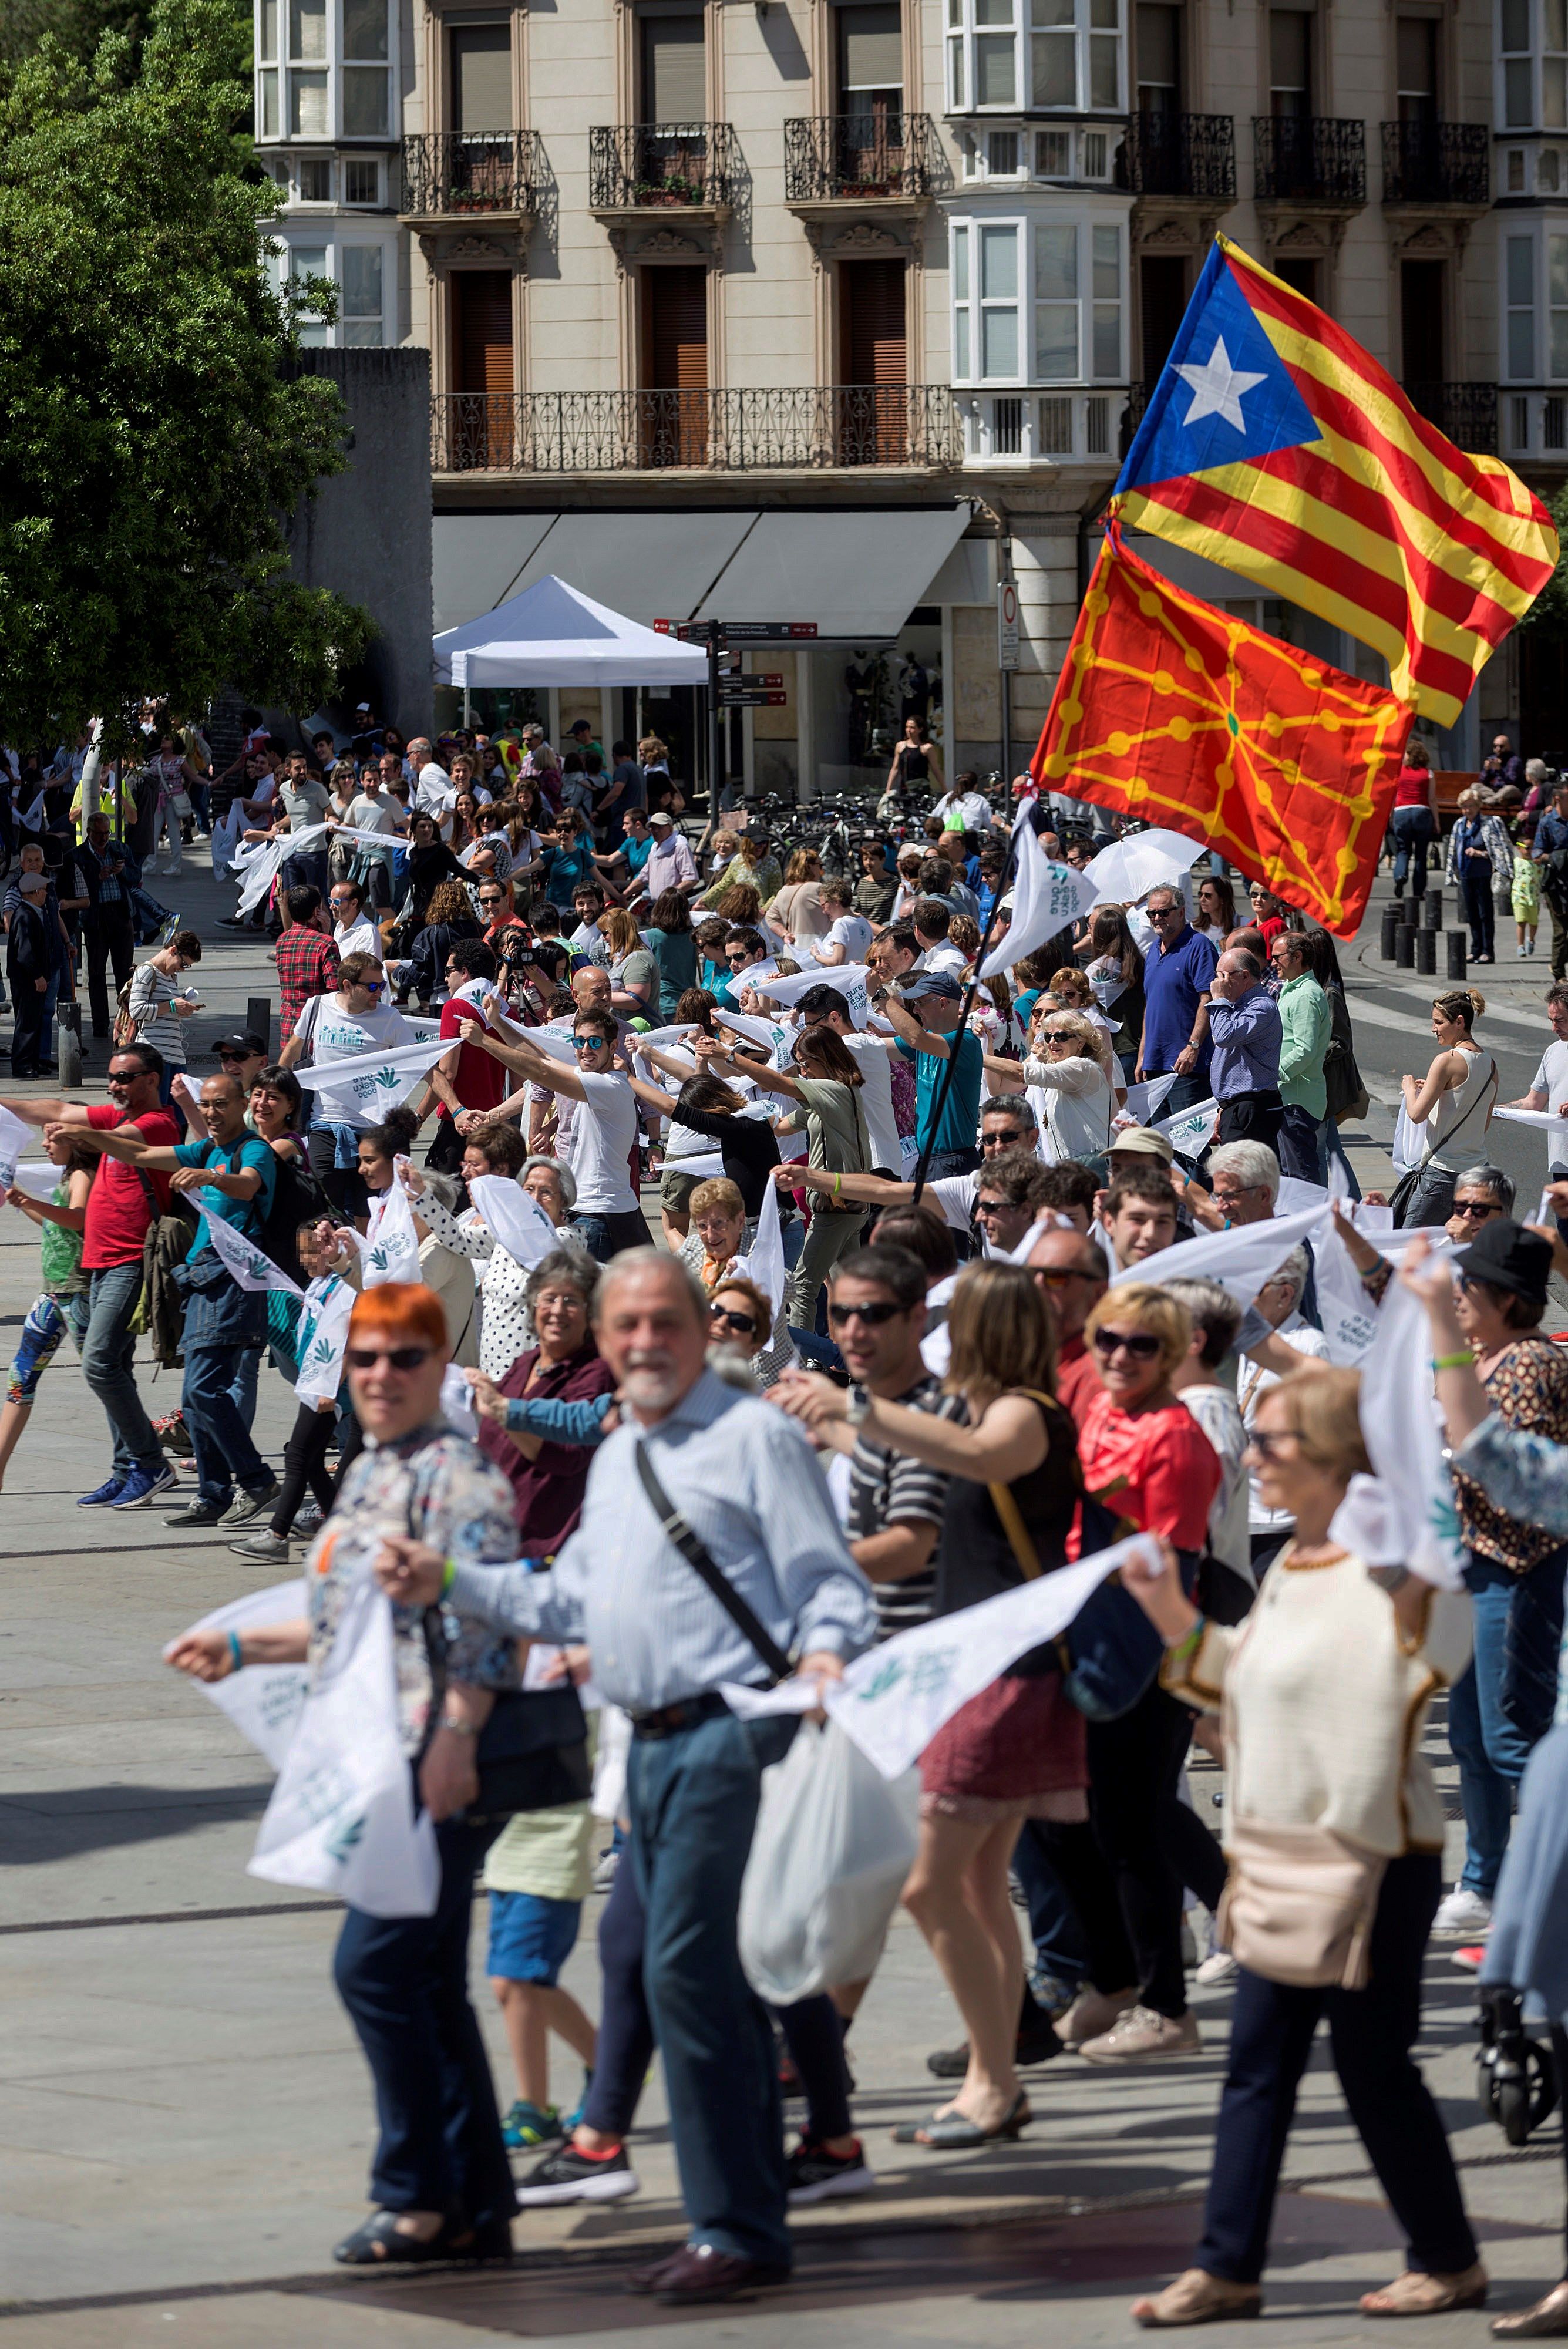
(1426, 952)
(68, 1042)
(1405, 945)
(1392, 917)
(259, 1019)
(1432, 909)
(1457, 943)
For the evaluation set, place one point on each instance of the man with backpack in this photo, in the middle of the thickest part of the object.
(232, 1175)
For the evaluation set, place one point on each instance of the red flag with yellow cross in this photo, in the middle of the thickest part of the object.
(1187, 717)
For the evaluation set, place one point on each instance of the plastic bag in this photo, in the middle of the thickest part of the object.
(833, 1844)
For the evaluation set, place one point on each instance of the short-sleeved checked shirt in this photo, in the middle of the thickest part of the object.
(306, 965)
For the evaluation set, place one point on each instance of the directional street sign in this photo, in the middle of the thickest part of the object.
(751, 631)
(749, 697)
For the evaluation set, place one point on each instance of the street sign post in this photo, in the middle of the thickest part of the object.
(1007, 625)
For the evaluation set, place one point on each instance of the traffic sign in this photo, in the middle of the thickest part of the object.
(1007, 625)
(747, 696)
(751, 631)
(771, 679)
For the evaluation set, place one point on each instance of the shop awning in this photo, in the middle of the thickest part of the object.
(857, 575)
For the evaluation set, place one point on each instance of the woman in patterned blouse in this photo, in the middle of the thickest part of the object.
(440, 2177)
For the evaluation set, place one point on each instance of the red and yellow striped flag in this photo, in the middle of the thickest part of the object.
(1277, 446)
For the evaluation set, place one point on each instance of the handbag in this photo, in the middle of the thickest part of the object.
(1299, 1904)
(694, 1550)
(1403, 1190)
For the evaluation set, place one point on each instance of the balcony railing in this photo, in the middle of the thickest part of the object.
(1466, 412)
(664, 164)
(1437, 163)
(1180, 155)
(1309, 159)
(1031, 428)
(858, 157)
(806, 429)
(1131, 417)
(455, 172)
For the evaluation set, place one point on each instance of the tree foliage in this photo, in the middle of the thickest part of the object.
(1549, 613)
(158, 434)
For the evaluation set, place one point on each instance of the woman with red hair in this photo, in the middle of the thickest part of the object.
(441, 2180)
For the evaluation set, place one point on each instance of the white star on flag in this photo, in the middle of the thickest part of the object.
(1216, 388)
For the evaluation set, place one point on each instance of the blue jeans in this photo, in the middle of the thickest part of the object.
(220, 1328)
(1053, 1924)
(109, 1354)
(1334, 1148)
(1413, 833)
(43, 1332)
(1490, 1751)
(1300, 1147)
(1475, 894)
(605, 1236)
(306, 872)
(693, 1802)
(951, 1161)
(404, 1980)
(1185, 1092)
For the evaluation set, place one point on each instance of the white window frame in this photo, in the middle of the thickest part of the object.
(962, 32)
(1539, 57)
(275, 74)
(1084, 219)
(320, 235)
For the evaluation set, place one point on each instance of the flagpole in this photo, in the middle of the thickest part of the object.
(1009, 873)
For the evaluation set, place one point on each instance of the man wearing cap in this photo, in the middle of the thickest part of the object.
(29, 966)
(671, 864)
(1178, 975)
(928, 1038)
(1137, 1148)
(1244, 1073)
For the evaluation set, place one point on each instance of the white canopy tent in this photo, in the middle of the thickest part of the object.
(553, 635)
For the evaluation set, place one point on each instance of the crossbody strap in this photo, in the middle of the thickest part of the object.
(681, 1536)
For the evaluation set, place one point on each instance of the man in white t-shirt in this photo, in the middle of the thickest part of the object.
(434, 790)
(607, 1217)
(373, 810)
(973, 805)
(824, 1007)
(352, 1020)
(1549, 1086)
(353, 932)
(930, 918)
(850, 934)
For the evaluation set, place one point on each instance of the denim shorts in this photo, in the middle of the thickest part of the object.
(531, 1936)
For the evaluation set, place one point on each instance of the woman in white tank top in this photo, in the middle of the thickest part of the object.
(1454, 1100)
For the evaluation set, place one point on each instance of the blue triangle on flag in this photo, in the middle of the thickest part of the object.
(1224, 394)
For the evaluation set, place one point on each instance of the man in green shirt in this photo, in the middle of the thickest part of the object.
(928, 1038)
(1308, 1026)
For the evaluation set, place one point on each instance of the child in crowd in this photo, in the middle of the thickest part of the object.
(538, 1874)
(62, 1304)
(1526, 896)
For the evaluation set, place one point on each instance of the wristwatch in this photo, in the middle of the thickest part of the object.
(458, 1728)
(856, 1409)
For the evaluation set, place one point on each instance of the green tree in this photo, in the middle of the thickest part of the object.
(1549, 613)
(158, 434)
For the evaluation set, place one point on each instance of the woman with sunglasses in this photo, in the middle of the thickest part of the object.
(717, 1239)
(441, 2180)
(1325, 1689)
(1146, 1455)
(1071, 1081)
(353, 1018)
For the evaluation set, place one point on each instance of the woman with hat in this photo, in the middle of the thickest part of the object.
(1503, 1704)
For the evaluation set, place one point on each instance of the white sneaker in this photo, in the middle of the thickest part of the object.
(1463, 1911)
(1141, 2035)
(1218, 1967)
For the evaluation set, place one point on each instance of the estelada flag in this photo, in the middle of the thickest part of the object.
(1277, 446)
(1189, 718)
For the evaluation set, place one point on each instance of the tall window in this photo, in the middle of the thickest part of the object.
(481, 78)
(1038, 302)
(674, 67)
(1158, 29)
(1557, 307)
(1290, 62)
(870, 57)
(323, 69)
(1416, 67)
(1519, 289)
(1533, 64)
(1035, 55)
(363, 272)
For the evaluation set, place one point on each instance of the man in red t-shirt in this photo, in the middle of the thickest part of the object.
(470, 1084)
(1071, 1276)
(118, 1215)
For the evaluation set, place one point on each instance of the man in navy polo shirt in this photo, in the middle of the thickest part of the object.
(1178, 974)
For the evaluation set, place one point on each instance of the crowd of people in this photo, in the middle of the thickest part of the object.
(910, 1338)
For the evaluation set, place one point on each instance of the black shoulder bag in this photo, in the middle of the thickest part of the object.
(692, 1548)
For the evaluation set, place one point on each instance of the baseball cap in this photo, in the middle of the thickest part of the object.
(245, 1040)
(663, 815)
(1144, 1140)
(31, 882)
(921, 984)
(361, 709)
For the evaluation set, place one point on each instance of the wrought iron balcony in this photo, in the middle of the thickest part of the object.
(1131, 417)
(1437, 163)
(807, 428)
(452, 173)
(874, 157)
(1466, 412)
(662, 165)
(1309, 159)
(1180, 155)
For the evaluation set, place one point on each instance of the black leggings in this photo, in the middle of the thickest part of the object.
(1135, 1764)
(305, 1466)
(812, 2030)
(344, 1185)
(1091, 1886)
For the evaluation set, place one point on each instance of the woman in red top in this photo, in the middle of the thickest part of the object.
(548, 1479)
(1414, 820)
(1145, 1455)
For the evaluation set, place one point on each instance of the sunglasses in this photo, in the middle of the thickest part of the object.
(1478, 1210)
(873, 1316)
(1269, 1445)
(239, 1057)
(1139, 1343)
(1058, 1035)
(1052, 1276)
(397, 1358)
(989, 1207)
(589, 1044)
(742, 1322)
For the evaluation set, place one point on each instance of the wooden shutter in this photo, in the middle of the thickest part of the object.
(674, 404)
(482, 364)
(871, 309)
(481, 78)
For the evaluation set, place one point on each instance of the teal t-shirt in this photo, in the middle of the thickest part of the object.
(247, 1215)
(961, 1115)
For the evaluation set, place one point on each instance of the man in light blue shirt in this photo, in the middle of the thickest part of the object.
(1245, 1030)
(748, 1485)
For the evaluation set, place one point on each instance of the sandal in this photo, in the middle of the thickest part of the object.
(380, 2243)
(1546, 2320)
(1417, 2293)
(956, 2133)
(1198, 2297)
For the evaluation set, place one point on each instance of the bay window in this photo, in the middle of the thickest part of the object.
(1533, 64)
(323, 69)
(1534, 279)
(1038, 301)
(364, 272)
(1038, 56)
